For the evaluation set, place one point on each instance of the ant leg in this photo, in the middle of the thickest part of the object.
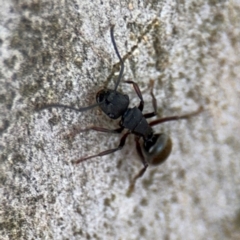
(142, 171)
(120, 146)
(137, 90)
(76, 131)
(154, 103)
(149, 115)
(174, 118)
(101, 129)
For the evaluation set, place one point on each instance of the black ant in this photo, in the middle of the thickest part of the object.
(155, 147)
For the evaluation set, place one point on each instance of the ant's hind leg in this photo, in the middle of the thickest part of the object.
(120, 146)
(142, 171)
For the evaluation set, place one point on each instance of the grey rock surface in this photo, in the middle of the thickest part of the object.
(61, 52)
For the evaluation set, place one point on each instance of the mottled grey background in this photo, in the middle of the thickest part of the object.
(60, 51)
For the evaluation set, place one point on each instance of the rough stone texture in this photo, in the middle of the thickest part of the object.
(60, 51)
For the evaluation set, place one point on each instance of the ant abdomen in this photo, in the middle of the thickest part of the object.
(157, 150)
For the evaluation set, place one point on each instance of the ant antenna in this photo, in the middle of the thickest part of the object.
(68, 107)
(119, 57)
(82, 109)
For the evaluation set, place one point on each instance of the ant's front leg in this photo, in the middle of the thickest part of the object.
(137, 90)
(142, 171)
(120, 146)
(141, 104)
(154, 103)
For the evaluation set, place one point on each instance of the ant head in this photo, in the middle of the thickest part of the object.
(158, 148)
(112, 103)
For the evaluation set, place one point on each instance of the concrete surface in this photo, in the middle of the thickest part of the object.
(60, 51)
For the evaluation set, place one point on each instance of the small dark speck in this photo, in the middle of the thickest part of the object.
(4, 126)
(237, 219)
(107, 202)
(142, 231)
(144, 202)
(181, 174)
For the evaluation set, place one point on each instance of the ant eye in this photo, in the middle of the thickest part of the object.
(100, 96)
(158, 150)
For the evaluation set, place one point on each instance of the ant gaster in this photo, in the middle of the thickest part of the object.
(155, 147)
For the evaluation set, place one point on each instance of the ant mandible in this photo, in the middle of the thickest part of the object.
(155, 147)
